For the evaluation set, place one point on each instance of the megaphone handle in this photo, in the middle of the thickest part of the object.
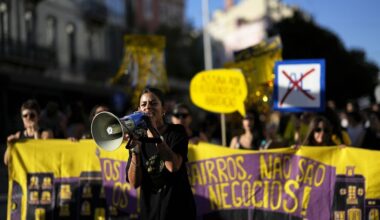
(150, 140)
(128, 146)
(153, 129)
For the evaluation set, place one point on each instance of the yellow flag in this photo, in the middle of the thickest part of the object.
(257, 63)
(142, 64)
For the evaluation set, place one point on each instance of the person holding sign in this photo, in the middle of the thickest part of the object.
(30, 111)
(159, 167)
(250, 139)
(30, 114)
(320, 133)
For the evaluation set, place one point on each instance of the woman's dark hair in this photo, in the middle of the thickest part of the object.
(251, 115)
(178, 106)
(31, 104)
(354, 117)
(93, 111)
(155, 91)
(327, 141)
(334, 120)
(76, 113)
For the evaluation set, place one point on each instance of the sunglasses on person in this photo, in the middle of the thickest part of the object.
(248, 118)
(181, 115)
(318, 130)
(30, 115)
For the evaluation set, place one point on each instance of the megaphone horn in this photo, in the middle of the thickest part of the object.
(107, 130)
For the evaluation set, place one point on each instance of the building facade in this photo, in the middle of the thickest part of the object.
(239, 26)
(54, 50)
(57, 51)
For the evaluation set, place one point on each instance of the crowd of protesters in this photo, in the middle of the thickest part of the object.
(351, 126)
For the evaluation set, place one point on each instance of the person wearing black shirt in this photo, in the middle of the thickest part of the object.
(182, 115)
(160, 168)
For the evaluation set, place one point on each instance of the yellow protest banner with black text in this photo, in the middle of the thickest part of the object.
(59, 179)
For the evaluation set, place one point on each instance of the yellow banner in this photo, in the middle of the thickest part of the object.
(143, 64)
(54, 179)
(257, 63)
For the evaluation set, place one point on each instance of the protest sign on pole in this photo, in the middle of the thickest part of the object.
(220, 91)
(299, 85)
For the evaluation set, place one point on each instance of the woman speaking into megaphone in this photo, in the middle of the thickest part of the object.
(159, 167)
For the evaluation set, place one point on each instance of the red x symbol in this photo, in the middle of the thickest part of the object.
(295, 83)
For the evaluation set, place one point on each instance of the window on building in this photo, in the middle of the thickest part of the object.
(29, 26)
(4, 28)
(51, 32)
(90, 44)
(71, 36)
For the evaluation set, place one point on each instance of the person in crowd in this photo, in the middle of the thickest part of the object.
(331, 104)
(211, 128)
(319, 133)
(97, 109)
(351, 107)
(375, 107)
(54, 119)
(371, 139)
(250, 139)
(76, 121)
(94, 111)
(30, 114)
(339, 134)
(182, 115)
(355, 128)
(297, 128)
(272, 137)
(158, 168)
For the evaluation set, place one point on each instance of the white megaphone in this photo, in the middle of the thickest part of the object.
(108, 130)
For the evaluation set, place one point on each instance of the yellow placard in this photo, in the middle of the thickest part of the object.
(219, 90)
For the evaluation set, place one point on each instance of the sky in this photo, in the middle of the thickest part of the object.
(355, 22)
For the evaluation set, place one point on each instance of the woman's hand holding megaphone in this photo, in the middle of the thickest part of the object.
(133, 143)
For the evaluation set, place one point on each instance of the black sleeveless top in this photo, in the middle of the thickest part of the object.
(23, 136)
(255, 144)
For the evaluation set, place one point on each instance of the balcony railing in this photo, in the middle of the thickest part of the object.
(26, 54)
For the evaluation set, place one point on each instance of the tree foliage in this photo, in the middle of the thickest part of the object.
(348, 74)
(184, 56)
